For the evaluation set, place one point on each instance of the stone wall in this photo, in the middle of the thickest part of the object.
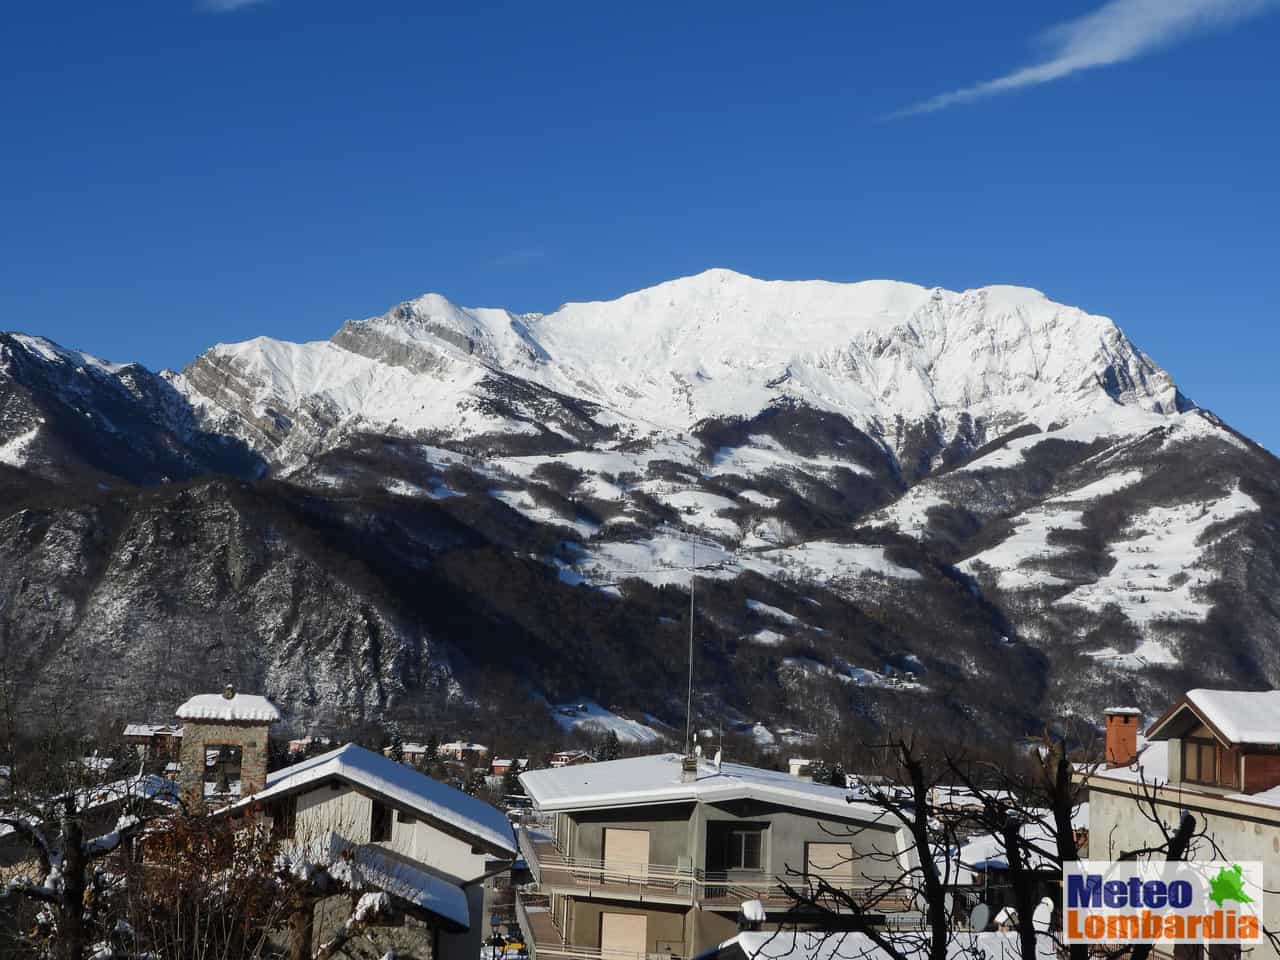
(199, 735)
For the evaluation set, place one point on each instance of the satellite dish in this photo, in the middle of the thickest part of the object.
(1043, 916)
(979, 917)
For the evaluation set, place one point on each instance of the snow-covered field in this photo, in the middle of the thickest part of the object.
(587, 716)
(1013, 557)
(1155, 576)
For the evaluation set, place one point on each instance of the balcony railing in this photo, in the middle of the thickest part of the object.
(544, 939)
(553, 869)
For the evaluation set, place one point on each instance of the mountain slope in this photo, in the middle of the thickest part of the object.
(983, 508)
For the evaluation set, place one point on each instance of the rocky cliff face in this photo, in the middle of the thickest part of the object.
(981, 508)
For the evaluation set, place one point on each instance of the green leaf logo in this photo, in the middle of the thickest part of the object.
(1229, 885)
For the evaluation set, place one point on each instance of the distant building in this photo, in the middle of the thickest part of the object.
(462, 750)
(224, 745)
(798, 766)
(500, 767)
(570, 758)
(155, 741)
(308, 743)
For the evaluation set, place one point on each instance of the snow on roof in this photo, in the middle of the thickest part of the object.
(242, 707)
(149, 786)
(656, 779)
(151, 729)
(459, 746)
(1123, 711)
(1151, 765)
(399, 783)
(1241, 716)
(407, 882)
(802, 945)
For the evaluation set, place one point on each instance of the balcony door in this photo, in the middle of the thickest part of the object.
(623, 935)
(626, 855)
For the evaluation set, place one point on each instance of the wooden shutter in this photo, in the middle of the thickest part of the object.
(626, 853)
(831, 861)
(623, 935)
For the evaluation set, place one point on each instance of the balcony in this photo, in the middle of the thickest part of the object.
(584, 877)
(544, 940)
(655, 883)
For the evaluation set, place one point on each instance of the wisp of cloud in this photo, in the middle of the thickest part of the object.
(1119, 30)
(226, 6)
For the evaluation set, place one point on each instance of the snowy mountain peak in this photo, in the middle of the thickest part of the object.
(881, 353)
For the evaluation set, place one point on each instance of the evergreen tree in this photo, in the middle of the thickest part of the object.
(511, 782)
(397, 744)
(611, 747)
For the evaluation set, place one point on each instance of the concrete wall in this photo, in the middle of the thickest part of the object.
(665, 926)
(681, 830)
(668, 826)
(1117, 823)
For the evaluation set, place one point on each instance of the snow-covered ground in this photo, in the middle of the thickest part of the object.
(1012, 557)
(1155, 576)
(13, 452)
(587, 716)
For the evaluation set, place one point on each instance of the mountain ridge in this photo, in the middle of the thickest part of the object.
(946, 487)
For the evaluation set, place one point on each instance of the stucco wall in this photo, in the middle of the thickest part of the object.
(665, 925)
(1117, 823)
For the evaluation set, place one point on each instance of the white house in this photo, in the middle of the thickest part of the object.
(426, 844)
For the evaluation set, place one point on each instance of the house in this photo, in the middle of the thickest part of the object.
(155, 741)
(1213, 753)
(499, 767)
(99, 809)
(224, 746)
(798, 766)
(307, 744)
(655, 855)
(462, 750)
(427, 845)
(570, 758)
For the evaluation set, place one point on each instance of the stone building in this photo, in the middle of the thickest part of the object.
(224, 746)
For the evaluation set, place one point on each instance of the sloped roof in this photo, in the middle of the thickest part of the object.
(399, 784)
(656, 779)
(242, 707)
(1237, 716)
(803, 945)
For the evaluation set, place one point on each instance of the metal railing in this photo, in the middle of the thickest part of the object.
(552, 868)
(543, 937)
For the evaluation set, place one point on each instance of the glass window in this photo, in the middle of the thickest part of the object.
(380, 823)
(744, 850)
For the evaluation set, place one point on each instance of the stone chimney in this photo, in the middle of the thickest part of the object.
(688, 768)
(1122, 735)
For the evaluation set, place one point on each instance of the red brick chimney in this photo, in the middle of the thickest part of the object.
(1122, 735)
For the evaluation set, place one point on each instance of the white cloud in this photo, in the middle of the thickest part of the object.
(226, 6)
(1119, 30)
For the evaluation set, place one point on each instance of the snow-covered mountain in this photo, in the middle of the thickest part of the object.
(983, 507)
(880, 353)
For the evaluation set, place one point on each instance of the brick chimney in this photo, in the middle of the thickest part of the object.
(688, 768)
(1122, 735)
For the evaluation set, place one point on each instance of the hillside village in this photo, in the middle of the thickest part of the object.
(442, 850)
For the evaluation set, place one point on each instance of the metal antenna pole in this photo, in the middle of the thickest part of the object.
(688, 710)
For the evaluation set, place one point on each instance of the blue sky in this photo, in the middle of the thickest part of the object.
(177, 172)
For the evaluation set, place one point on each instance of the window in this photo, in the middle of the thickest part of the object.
(406, 817)
(380, 823)
(1199, 761)
(284, 817)
(744, 850)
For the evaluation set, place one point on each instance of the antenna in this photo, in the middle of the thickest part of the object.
(688, 710)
